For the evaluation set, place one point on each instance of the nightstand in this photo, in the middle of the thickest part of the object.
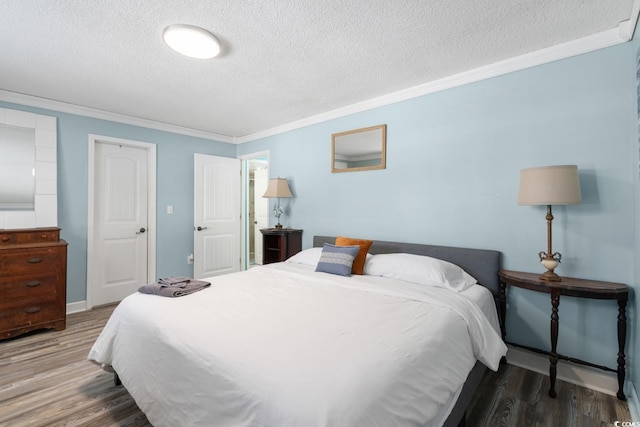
(570, 286)
(278, 244)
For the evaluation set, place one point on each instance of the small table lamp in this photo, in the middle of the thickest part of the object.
(278, 187)
(549, 185)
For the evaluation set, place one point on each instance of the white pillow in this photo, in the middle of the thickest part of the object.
(419, 269)
(309, 256)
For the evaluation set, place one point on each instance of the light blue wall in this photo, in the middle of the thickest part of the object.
(174, 187)
(453, 165)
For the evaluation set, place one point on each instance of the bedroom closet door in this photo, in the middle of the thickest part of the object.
(217, 219)
(122, 178)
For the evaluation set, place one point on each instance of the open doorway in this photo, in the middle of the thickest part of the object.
(256, 210)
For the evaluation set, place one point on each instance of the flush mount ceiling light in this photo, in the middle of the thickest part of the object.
(191, 41)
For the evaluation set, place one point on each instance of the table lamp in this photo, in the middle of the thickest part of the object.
(278, 187)
(549, 185)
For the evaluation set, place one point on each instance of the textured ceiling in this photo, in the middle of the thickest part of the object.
(282, 60)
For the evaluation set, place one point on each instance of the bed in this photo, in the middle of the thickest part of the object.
(283, 345)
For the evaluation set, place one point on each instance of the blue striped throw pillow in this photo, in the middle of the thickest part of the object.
(337, 259)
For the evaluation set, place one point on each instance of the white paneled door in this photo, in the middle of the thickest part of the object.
(120, 222)
(217, 222)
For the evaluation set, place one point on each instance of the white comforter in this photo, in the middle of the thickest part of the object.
(282, 346)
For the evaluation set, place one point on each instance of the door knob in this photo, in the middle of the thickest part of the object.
(142, 230)
(201, 228)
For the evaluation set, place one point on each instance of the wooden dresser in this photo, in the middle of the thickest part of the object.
(33, 280)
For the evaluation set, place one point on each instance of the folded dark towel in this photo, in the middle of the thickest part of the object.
(174, 281)
(174, 291)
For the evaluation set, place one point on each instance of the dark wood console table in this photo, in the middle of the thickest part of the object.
(570, 286)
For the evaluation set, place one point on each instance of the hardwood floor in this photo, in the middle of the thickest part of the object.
(517, 397)
(45, 380)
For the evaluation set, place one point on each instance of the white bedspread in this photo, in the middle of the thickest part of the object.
(280, 345)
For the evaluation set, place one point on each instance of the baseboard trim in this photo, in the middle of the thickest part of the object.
(632, 401)
(76, 307)
(585, 376)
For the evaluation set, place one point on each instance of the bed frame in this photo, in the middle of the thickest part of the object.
(482, 264)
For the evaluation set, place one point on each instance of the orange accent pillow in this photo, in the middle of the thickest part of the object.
(358, 263)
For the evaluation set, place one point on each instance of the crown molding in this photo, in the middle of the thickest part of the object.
(621, 34)
(580, 46)
(628, 27)
(64, 107)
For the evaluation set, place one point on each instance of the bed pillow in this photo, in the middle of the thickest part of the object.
(309, 256)
(337, 259)
(358, 262)
(419, 269)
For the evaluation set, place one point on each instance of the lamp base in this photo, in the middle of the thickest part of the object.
(550, 276)
(278, 225)
(550, 262)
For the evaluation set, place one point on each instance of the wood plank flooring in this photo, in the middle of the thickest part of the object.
(517, 397)
(45, 380)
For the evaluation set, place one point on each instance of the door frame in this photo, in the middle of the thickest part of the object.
(244, 233)
(92, 262)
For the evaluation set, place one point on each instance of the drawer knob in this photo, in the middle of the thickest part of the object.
(32, 310)
(34, 260)
(33, 284)
(43, 236)
(5, 239)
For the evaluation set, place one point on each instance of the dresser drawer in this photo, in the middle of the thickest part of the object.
(26, 312)
(31, 236)
(26, 286)
(8, 238)
(29, 261)
(39, 236)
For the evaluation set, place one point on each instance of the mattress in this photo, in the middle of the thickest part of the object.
(483, 298)
(280, 345)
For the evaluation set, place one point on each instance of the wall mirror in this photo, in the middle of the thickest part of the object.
(28, 170)
(17, 167)
(359, 149)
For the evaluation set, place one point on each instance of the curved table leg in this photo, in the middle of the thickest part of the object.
(622, 339)
(553, 356)
(503, 310)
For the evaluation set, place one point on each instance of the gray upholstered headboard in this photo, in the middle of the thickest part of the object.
(483, 264)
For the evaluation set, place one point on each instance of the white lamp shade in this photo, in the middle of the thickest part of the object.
(278, 187)
(549, 185)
